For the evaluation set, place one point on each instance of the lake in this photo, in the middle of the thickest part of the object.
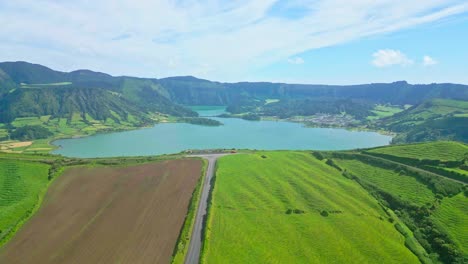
(168, 138)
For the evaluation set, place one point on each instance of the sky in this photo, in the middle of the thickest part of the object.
(295, 41)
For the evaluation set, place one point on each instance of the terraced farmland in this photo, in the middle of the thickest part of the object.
(452, 216)
(109, 214)
(406, 187)
(22, 185)
(288, 207)
(440, 150)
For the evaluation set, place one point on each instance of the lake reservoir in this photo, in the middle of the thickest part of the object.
(168, 138)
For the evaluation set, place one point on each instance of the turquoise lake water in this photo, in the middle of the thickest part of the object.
(170, 138)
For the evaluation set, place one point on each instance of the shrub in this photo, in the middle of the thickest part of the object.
(30, 132)
(324, 213)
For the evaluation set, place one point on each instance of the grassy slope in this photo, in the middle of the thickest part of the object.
(440, 150)
(382, 111)
(406, 187)
(452, 216)
(437, 119)
(248, 223)
(22, 186)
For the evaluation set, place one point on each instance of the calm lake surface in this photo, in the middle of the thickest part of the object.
(170, 138)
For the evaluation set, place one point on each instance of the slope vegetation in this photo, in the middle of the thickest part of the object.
(288, 207)
(22, 185)
(437, 119)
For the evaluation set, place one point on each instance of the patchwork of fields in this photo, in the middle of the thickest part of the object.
(109, 214)
(288, 207)
(394, 204)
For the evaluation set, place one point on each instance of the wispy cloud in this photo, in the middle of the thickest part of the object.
(296, 60)
(218, 39)
(429, 61)
(389, 57)
(122, 36)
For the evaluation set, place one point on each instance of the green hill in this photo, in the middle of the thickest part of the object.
(441, 150)
(79, 102)
(288, 207)
(437, 119)
(28, 90)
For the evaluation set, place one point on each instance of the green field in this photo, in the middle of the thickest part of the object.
(269, 210)
(22, 186)
(452, 217)
(405, 187)
(381, 111)
(439, 150)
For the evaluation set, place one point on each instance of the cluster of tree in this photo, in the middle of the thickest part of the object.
(306, 107)
(30, 133)
(201, 121)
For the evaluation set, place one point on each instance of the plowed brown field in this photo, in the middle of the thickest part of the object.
(109, 215)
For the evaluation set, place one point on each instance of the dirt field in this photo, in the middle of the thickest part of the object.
(109, 215)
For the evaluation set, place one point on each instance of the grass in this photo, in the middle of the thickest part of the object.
(452, 217)
(382, 111)
(183, 242)
(405, 187)
(22, 186)
(439, 150)
(248, 220)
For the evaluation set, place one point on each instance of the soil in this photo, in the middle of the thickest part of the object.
(109, 215)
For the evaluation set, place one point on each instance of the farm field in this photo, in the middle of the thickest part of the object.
(288, 207)
(109, 214)
(452, 216)
(22, 186)
(382, 111)
(405, 187)
(440, 150)
(437, 211)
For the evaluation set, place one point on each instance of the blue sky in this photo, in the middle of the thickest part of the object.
(298, 41)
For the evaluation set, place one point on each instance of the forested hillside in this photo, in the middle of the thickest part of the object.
(31, 90)
(431, 120)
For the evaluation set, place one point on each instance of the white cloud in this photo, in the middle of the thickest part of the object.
(296, 60)
(429, 61)
(389, 57)
(221, 40)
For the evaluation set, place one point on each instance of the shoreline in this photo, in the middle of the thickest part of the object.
(51, 142)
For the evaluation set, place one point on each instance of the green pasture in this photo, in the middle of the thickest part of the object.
(22, 185)
(438, 150)
(288, 207)
(405, 187)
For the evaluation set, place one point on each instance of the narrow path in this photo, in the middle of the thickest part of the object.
(193, 254)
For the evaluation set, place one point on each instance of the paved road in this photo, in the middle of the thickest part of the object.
(193, 254)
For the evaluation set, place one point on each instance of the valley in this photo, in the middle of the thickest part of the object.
(40, 105)
(377, 173)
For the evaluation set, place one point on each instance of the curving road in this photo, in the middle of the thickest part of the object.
(193, 254)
